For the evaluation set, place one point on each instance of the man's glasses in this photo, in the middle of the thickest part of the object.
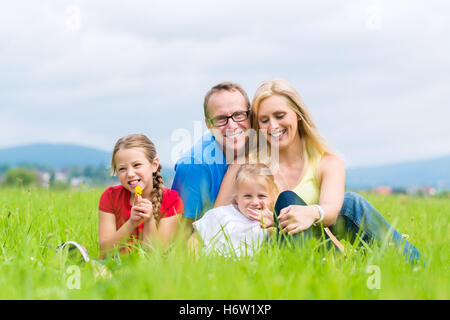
(221, 121)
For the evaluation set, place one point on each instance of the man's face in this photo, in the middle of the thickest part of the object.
(232, 135)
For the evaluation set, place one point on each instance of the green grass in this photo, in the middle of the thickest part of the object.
(34, 221)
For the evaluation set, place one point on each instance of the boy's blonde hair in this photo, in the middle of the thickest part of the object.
(140, 141)
(261, 173)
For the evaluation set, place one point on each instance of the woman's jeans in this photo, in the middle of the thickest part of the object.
(357, 216)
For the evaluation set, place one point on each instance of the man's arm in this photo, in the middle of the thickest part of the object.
(225, 196)
(193, 183)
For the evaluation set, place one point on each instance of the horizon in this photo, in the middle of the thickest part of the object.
(166, 163)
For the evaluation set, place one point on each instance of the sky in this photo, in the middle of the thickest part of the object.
(375, 75)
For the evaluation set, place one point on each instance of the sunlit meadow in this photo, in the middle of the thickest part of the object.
(33, 222)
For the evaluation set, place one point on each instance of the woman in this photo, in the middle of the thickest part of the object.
(310, 176)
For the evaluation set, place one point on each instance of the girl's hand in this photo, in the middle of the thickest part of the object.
(265, 216)
(142, 210)
(294, 219)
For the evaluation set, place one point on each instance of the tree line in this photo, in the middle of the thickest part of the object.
(30, 174)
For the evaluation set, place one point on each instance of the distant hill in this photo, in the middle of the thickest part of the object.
(59, 156)
(431, 172)
(54, 155)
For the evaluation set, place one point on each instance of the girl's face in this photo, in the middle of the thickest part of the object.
(278, 121)
(134, 169)
(251, 194)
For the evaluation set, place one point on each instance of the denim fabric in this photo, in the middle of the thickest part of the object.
(358, 215)
(285, 199)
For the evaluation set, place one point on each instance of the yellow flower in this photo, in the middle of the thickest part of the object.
(138, 191)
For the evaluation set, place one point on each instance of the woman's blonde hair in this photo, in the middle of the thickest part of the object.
(261, 173)
(140, 141)
(314, 145)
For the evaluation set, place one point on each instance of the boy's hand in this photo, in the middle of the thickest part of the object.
(271, 231)
(265, 216)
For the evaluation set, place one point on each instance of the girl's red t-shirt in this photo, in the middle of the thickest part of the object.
(116, 200)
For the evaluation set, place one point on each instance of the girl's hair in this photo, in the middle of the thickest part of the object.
(140, 141)
(261, 173)
(314, 145)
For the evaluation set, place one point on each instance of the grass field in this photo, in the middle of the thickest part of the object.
(34, 221)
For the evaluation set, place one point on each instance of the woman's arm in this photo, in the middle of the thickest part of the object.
(225, 195)
(331, 172)
(108, 236)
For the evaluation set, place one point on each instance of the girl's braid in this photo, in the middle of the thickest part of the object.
(157, 193)
(142, 142)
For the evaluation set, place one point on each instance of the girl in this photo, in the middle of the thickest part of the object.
(233, 229)
(127, 216)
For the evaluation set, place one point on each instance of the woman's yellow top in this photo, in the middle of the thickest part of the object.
(309, 189)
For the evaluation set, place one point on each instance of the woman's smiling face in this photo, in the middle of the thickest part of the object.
(278, 121)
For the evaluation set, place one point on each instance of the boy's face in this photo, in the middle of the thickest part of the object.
(251, 194)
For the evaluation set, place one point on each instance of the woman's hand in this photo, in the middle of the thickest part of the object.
(142, 210)
(294, 219)
(265, 216)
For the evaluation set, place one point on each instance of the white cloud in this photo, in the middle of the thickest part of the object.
(144, 66)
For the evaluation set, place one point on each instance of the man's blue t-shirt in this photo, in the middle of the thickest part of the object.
(198, 175)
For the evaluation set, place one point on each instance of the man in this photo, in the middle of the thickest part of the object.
(199, 172)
